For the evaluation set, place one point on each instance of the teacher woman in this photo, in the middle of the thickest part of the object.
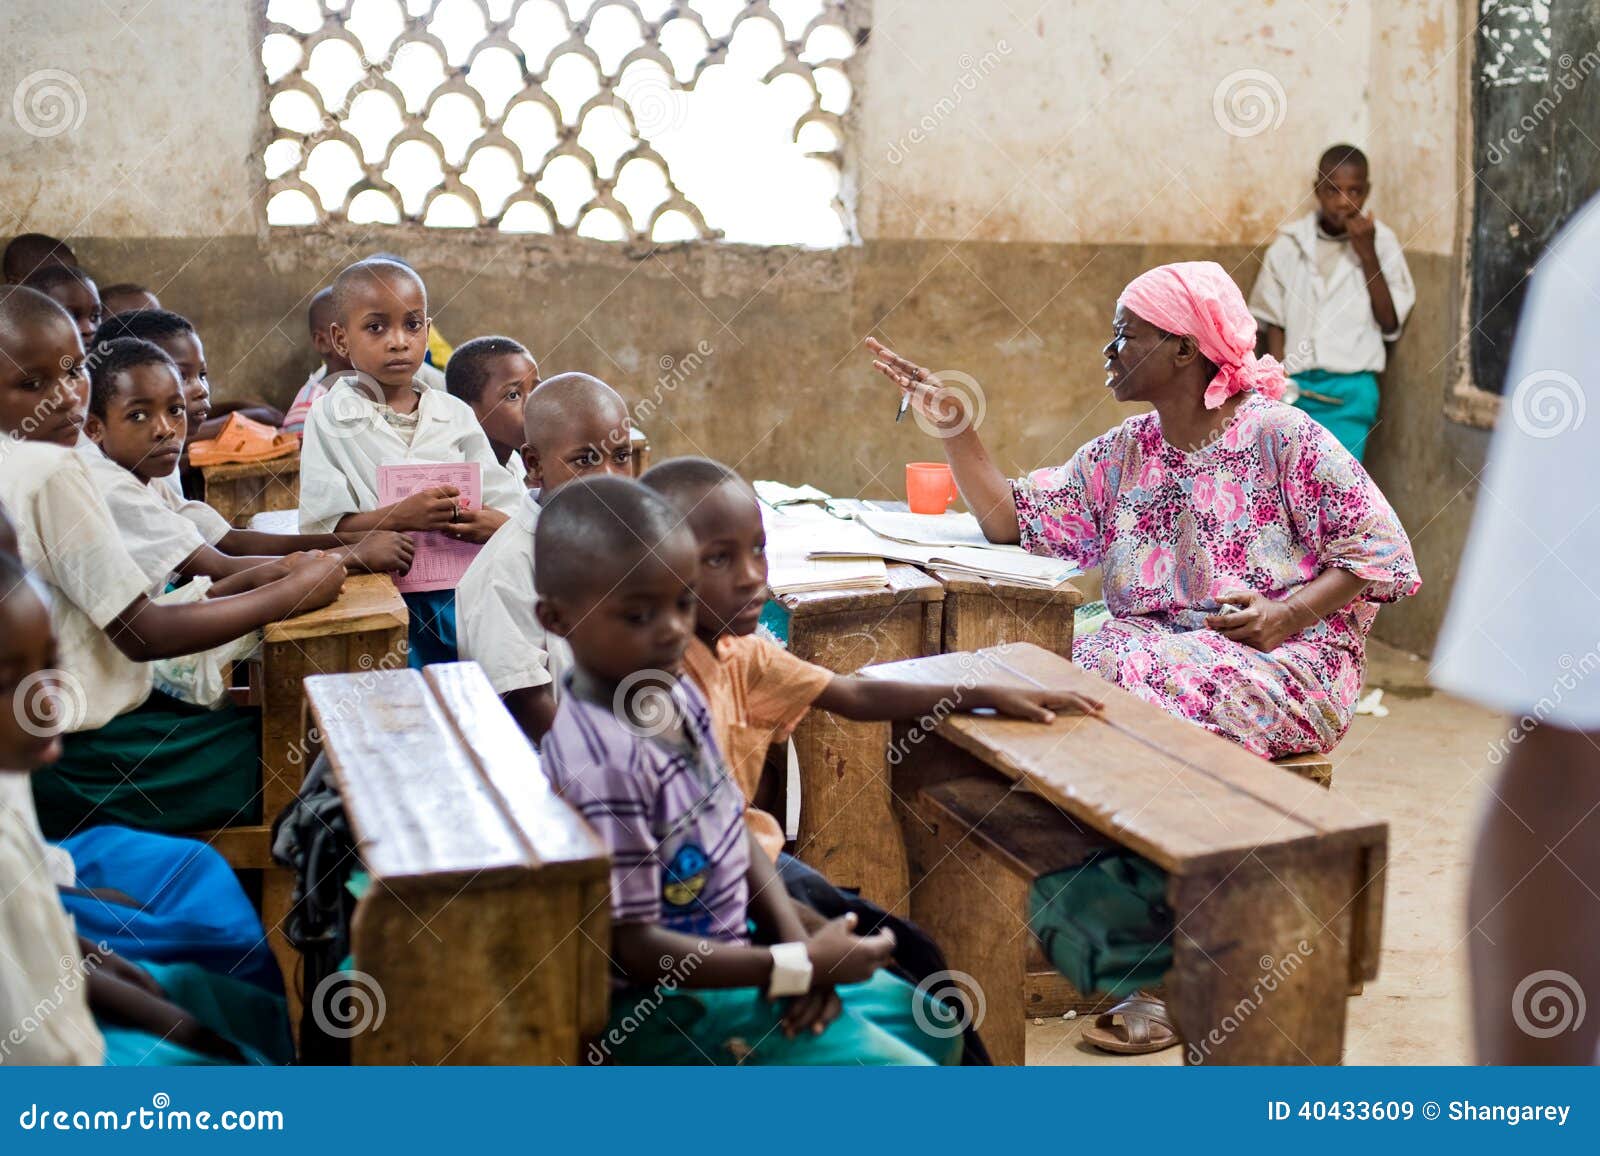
(1243, 550)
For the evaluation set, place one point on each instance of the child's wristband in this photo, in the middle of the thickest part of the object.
(791, 970)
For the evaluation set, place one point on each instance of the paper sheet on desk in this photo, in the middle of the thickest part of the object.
(929, 529)
(440, 560)
(790, 542)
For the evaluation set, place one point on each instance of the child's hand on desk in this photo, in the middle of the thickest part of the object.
(316, 577)
(839, 955)
(1034, 705)
(476, 525)
(382, 552)
(425, 510)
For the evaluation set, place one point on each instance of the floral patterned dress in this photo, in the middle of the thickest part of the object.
(1268, 505)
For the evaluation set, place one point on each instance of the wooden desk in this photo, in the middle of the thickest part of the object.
(363, 630)
(487, 924)
(237, 491)
(1264, 868)
(980, 612)
(848, 829)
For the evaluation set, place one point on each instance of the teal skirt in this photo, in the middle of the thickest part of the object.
(163, 766)
(1345, 404)
(256, 1021)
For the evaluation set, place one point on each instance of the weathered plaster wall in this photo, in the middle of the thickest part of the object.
(1053, 159)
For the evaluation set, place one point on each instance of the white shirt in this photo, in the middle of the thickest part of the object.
(70, 544)
(157, 537)
(44, 999)
(1523, 631)
(495, 623)
(213, 526)
(347, 439)
(1327, 322)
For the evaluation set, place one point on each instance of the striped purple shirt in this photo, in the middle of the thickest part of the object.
(673, 819)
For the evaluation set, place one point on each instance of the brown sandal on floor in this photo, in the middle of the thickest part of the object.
(1146, 1027)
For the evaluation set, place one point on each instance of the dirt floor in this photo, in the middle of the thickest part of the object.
(1423, 769)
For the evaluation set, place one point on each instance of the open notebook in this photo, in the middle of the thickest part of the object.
(793, 565)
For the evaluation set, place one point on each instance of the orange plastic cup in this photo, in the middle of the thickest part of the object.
(930, 487)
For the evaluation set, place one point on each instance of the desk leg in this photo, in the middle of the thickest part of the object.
(848, 827)
(1263, 958)
(974, 621)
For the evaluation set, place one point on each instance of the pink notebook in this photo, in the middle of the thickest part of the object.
(440, 560)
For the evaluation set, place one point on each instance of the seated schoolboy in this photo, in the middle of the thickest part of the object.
(126, 297)
(155, 1014)
(135, 427)
(319, 316)
(495, 376)
(132, 756)
(1334, 291)
(28, 252)
(633, 748)
(574, 426)
(74, 290)
(384, 416)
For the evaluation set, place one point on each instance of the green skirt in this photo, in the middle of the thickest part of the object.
(164, 766)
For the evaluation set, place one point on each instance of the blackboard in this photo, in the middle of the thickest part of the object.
(1536, 129)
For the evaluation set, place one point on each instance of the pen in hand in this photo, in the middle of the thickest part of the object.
(905, 404)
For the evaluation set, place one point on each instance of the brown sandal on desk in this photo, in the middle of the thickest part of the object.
(1146, 1027)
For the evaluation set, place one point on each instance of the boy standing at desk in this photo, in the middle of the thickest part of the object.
(1334, 291)
(385, 416)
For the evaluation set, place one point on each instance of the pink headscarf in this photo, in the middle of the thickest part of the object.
(1198, 299)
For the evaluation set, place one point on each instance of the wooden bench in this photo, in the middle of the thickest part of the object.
(1272, 880)
(1311, 767)
(364, 629)
(848, 828)
(487, 923)
(238, 490)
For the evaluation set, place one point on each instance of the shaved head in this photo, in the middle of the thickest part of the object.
(594, 530)
(320, 314)
(684, 481)
(375, 273)
(33, 251)
(22, 308)
(568, 400)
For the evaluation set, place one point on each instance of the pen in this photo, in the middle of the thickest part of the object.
(905, 404)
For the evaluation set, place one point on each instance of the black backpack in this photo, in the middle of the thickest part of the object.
(312, 838)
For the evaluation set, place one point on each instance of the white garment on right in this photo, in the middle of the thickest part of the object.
(1523, 632)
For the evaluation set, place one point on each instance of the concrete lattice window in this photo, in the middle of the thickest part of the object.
(621, 120)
